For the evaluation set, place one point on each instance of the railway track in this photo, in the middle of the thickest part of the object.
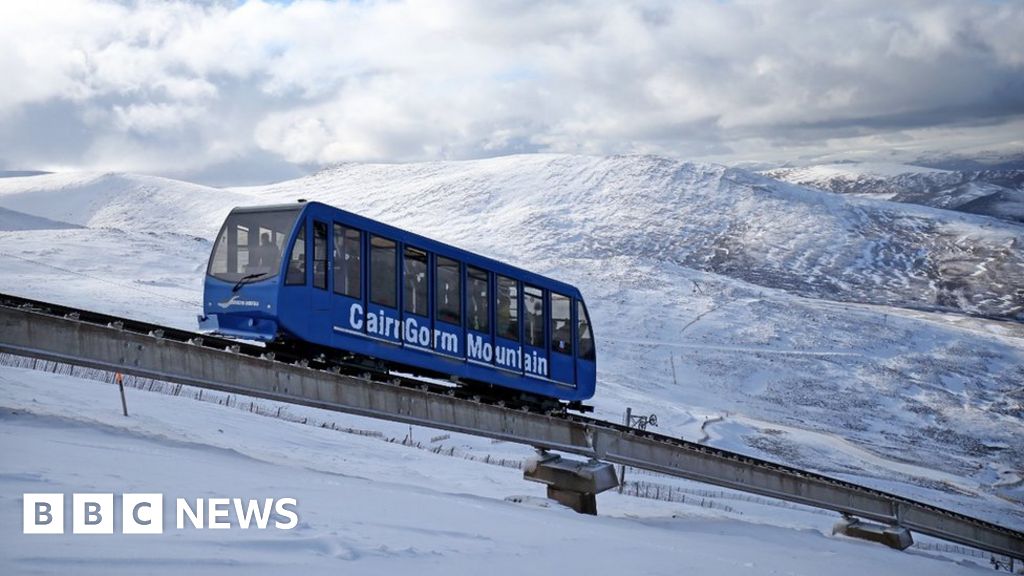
(54, 332)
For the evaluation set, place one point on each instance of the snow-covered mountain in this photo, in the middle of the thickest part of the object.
(804, 319)
(996, 193)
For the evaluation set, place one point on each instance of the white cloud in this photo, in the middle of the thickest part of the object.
(153, 118)
(179, 85)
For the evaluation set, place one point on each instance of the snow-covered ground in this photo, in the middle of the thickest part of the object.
(365, 506)
(774, 320)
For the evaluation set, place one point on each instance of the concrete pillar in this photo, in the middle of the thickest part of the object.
(582, 502)
(896, 537)
(572, 483)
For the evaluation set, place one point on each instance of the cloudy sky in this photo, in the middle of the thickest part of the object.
(239, 92)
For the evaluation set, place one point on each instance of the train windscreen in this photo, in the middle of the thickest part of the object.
(250, 244)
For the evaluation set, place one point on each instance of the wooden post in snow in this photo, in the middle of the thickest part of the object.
(119, 378)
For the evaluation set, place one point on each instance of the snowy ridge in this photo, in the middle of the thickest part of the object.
(121, 201)
(997, 193)
(853, 171)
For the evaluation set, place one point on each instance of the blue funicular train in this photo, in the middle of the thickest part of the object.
(311, 277)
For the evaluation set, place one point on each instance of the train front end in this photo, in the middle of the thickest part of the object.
(245, 271)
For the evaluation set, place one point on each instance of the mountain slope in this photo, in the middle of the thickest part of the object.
(714, 293)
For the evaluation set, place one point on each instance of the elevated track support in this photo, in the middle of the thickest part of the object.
(896, 537)
(572, 483)
(83, 338)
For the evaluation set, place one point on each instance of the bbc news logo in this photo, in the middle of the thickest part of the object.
(144, 513)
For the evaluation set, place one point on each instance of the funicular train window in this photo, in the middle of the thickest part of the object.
(414, 274)
(265, 255)
(448, 290)
(242, 241)
(250, 244)
(347, 261)
(320, 255)
(383, 277)
(220, 262)
(561, 323)
(297, 259)
(479, 300)
(533, 306)
(507, 310)
(586, 338)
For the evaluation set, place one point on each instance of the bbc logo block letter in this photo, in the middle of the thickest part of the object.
(43, 514)
(92, 513)
(142, 513)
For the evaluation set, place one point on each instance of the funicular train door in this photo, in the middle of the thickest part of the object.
(383, 322)
(320, 298)
(416, 324)
(348, 293)
(479, 341)
(448, 314)
(535, 349)
(507, 326)
(294, 299)
(562, 362)
(586, 364)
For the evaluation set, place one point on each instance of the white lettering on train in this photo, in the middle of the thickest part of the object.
(380, 324)
(416, 334)
(355, 317)
(446, 342)
(479, 349)
(534, 364)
